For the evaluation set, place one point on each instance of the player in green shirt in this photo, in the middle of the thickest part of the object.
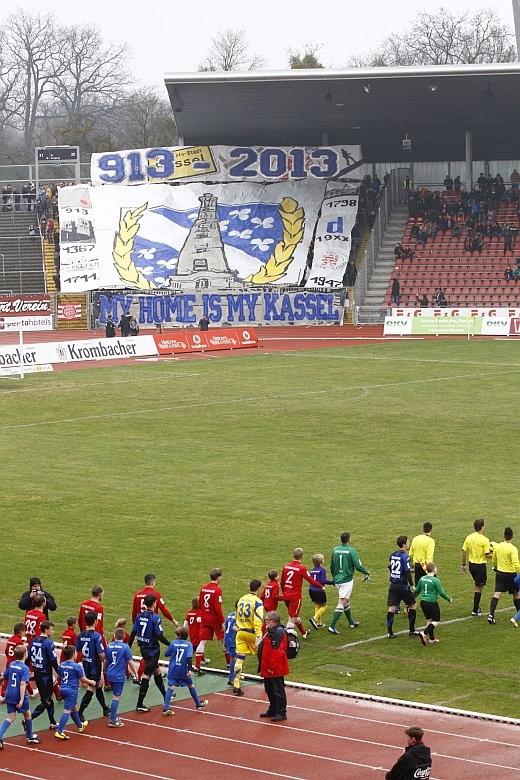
(343, 562)
(430, 589)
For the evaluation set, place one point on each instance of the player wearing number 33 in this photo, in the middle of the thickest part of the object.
(249, 621)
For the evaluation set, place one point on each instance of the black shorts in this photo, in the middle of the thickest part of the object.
(400, 591)
(505, 582)
(419, 572)
(151, 660)
(44, 684)
(479, 573)
(431, 610)
(318, 596)
(92, 671)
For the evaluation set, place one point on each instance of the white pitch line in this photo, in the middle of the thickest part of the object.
(253, 399)
(399, 359)
(163, 376)
(405, 631)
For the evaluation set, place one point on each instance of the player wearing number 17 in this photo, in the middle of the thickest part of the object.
(249, 621)
(180, 653)
(344, 560)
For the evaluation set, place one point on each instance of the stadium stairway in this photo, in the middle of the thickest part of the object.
(21, 267)
(50, 268)
(370, 310)
(466, 279)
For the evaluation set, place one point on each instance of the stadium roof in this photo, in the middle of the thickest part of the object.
(375, 107)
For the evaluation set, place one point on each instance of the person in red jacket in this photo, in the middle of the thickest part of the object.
(138, 603)
(293, 574)
(212, 622)
(273, 666)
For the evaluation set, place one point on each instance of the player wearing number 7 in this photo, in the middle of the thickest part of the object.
(293, 575)
(249, 621)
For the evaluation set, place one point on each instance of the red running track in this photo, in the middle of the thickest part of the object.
(325, 736)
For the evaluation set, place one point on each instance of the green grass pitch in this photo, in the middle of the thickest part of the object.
(178, 467)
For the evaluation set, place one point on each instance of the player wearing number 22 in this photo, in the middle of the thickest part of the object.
(180, 653)
(400, 577)
(293, 574)
(249, 621)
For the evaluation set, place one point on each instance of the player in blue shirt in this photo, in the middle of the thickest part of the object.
(400, 576)
(117, 656)
(90, 644)
(230, 642)
(180, 653)
(71, 676)
(148, 630)
(17, 675)
(43, 659)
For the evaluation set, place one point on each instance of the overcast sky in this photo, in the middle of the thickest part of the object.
(171, 37)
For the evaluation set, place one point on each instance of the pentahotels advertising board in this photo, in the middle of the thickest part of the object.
(448, 326)
(29, 312)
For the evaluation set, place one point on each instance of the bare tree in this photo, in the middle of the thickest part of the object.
(145, 119)
(32, 46)
(229, 51)
(90, 77)
(306, 59)
(9, 77)
(444, 38)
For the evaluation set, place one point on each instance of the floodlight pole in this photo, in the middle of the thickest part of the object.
(516, 17)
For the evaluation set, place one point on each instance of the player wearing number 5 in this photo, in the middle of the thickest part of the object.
(343, 562)
(249, 620)
(17, 676)
(117, 656)
(430, 589)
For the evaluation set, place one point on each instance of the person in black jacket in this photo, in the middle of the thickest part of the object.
(27, 601)
(416, 762)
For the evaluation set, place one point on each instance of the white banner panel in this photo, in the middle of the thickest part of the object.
(333, 242)
(76, 351)
(227, 163)
(196, 236)
(450, 311)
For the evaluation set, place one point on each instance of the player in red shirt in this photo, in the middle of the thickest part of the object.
(138, 604)
(212, 622)
(14, 641)
(271, 595)
(69, 637)
(192, 622)
(34, 617)
(293, 575)
(92, 605)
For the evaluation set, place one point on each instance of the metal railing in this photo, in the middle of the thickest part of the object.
(21, 276)
(369, 259)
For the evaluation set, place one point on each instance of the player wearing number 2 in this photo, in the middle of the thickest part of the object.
(293, 574)
(212, 623)
(249, 621)
(400, 576)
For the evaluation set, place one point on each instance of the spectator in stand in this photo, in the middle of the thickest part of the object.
(32, 232)
(422, 300)
(456, 183)
(514, 179)
(482, 182)
(448, 183)
(508, 274)
(476, 244)
(408, 188)
(423, 235)
(414, 233)
(396, 290)
(50, 231)
(440, 298)
(508, 239)
(470, 227)
(495, 229)
(351, 273)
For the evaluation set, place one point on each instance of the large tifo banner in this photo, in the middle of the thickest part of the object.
(210, 217)
(227, 163)
(222, 308)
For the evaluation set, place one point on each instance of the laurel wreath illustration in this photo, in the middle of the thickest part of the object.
(123, 248)
(275, 268)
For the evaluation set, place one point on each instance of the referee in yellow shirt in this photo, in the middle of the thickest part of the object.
(476, 549)
(249, 621)
(506, 565)
(421, 552)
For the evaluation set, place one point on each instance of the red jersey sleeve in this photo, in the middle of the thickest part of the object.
(162, 606)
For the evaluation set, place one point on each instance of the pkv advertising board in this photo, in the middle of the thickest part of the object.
(447, 326)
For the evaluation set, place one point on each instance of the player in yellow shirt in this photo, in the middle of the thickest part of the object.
(476, 549)
(249, 620)
(506, 565)
(421, 551)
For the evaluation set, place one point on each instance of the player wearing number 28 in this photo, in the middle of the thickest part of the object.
(249, 619)
(343, 562)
